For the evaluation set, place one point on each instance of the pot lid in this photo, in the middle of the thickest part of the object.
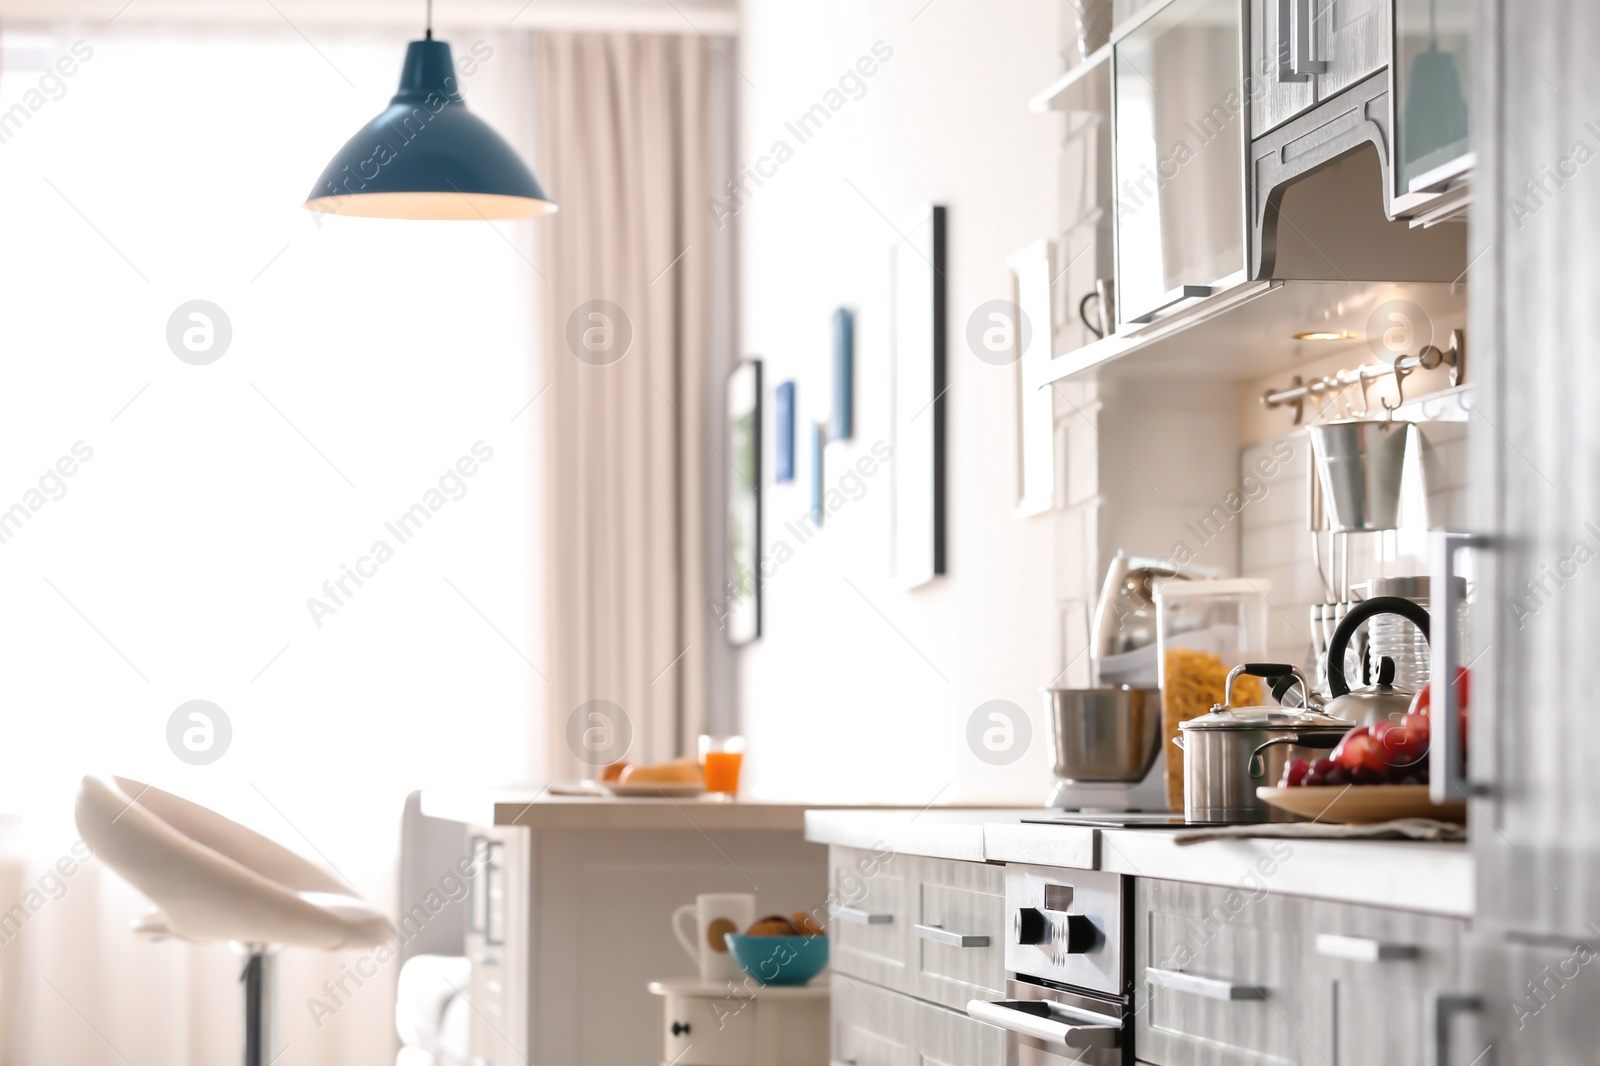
(1266, 718)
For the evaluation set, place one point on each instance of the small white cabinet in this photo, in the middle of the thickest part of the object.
(710, 1023)
(1180, 136)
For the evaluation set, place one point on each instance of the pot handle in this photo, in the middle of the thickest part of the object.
(1413, 612)
(1322, 741)
(1270, 671)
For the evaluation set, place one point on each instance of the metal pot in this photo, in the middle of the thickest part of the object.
(1104, 734)
(1229, 753)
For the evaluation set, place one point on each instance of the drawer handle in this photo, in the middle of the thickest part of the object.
(1039, 1019)
(1209, 987)
(1438, 1011)
(1362, 949)
(680, 1028)
(861, 917)
(1174, 297)
(940, 935)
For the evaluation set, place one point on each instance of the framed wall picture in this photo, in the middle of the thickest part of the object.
(917, 288)
(1031, 270)
(819, 451)
(743, 432)
(783, 433)
(844, 374)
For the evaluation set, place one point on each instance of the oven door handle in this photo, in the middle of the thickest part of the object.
(1018, 1017)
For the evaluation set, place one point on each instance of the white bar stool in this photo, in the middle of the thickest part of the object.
(212, 879)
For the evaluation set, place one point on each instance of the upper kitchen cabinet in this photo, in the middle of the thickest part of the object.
(1432, 119)
(1303, 52)
(1179, 148)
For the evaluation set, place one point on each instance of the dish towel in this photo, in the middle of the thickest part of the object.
(1399, 829)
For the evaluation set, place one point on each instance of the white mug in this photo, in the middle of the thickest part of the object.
(714, 914)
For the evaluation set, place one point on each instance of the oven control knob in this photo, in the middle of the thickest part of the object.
(1077, 935)
(1031, 926)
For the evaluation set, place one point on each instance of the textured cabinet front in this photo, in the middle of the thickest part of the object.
(954, 900)
(1369, 975)
(871, 923)
(1220, 978)
(874, 1026)
(1272, 102)
(1353, 37)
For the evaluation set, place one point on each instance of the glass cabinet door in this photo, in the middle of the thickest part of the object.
(1433, 55)
(1182, 123)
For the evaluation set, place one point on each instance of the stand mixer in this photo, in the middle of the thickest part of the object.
(1106, 741)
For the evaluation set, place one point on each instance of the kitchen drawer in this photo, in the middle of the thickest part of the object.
(869, 926)
(1220, 977)
(957, 931)
(1369, 973)
(874, 1026)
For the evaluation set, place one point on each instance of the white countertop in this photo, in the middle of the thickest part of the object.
(538, 808)
(1435, 878)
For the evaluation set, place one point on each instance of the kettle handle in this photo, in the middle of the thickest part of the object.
(1361, 612)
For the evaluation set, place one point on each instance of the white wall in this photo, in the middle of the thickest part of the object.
(176, 563)
(891, 677)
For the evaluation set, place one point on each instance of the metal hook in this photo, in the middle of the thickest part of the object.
(1401, 372)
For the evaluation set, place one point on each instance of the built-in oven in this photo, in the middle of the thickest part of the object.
(1069, 957)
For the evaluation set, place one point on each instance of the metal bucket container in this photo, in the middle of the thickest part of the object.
(1104, 735)
(1360, 464)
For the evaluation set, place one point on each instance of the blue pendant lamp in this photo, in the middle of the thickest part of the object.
(427, 156)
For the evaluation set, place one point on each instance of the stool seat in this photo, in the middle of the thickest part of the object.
(212, 879)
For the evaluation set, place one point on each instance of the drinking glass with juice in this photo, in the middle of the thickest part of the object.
(720, 760)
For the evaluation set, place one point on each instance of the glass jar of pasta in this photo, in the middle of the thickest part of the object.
(1204, 629)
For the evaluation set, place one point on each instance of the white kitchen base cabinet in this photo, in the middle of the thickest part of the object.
(1228, 977)
(710, 1023)
(931, 928)
(873, 1026)
(1370, 974)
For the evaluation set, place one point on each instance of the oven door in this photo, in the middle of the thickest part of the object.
(1054, 1027)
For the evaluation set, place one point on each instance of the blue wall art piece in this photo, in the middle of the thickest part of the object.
(783, 433)
(819, 444)
(844, 374)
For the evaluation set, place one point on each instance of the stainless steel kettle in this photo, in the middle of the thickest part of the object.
(1380, 701)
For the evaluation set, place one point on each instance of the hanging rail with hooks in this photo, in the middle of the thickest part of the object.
(1403, 366)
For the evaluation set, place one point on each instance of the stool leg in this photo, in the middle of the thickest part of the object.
(260, 1006)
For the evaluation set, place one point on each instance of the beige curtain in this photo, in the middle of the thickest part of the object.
(629, 125)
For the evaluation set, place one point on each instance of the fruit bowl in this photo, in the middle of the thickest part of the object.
(779, 960)
(1361, 804)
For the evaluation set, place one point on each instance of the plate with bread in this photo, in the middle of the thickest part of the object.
(679, 779)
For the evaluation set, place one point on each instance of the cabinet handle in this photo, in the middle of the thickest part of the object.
(1362, 949)
(1209, 987)
(1294, 42)
(1439, 1010)
(860, 917)
(1447, 769)
(1039, 1019)
(940, 935)
(1173, 297)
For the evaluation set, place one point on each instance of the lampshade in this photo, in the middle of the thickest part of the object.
(427, 156)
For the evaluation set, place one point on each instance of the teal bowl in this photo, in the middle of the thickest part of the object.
(779, 960)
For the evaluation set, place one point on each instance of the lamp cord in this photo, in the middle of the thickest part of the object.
(429, 34)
